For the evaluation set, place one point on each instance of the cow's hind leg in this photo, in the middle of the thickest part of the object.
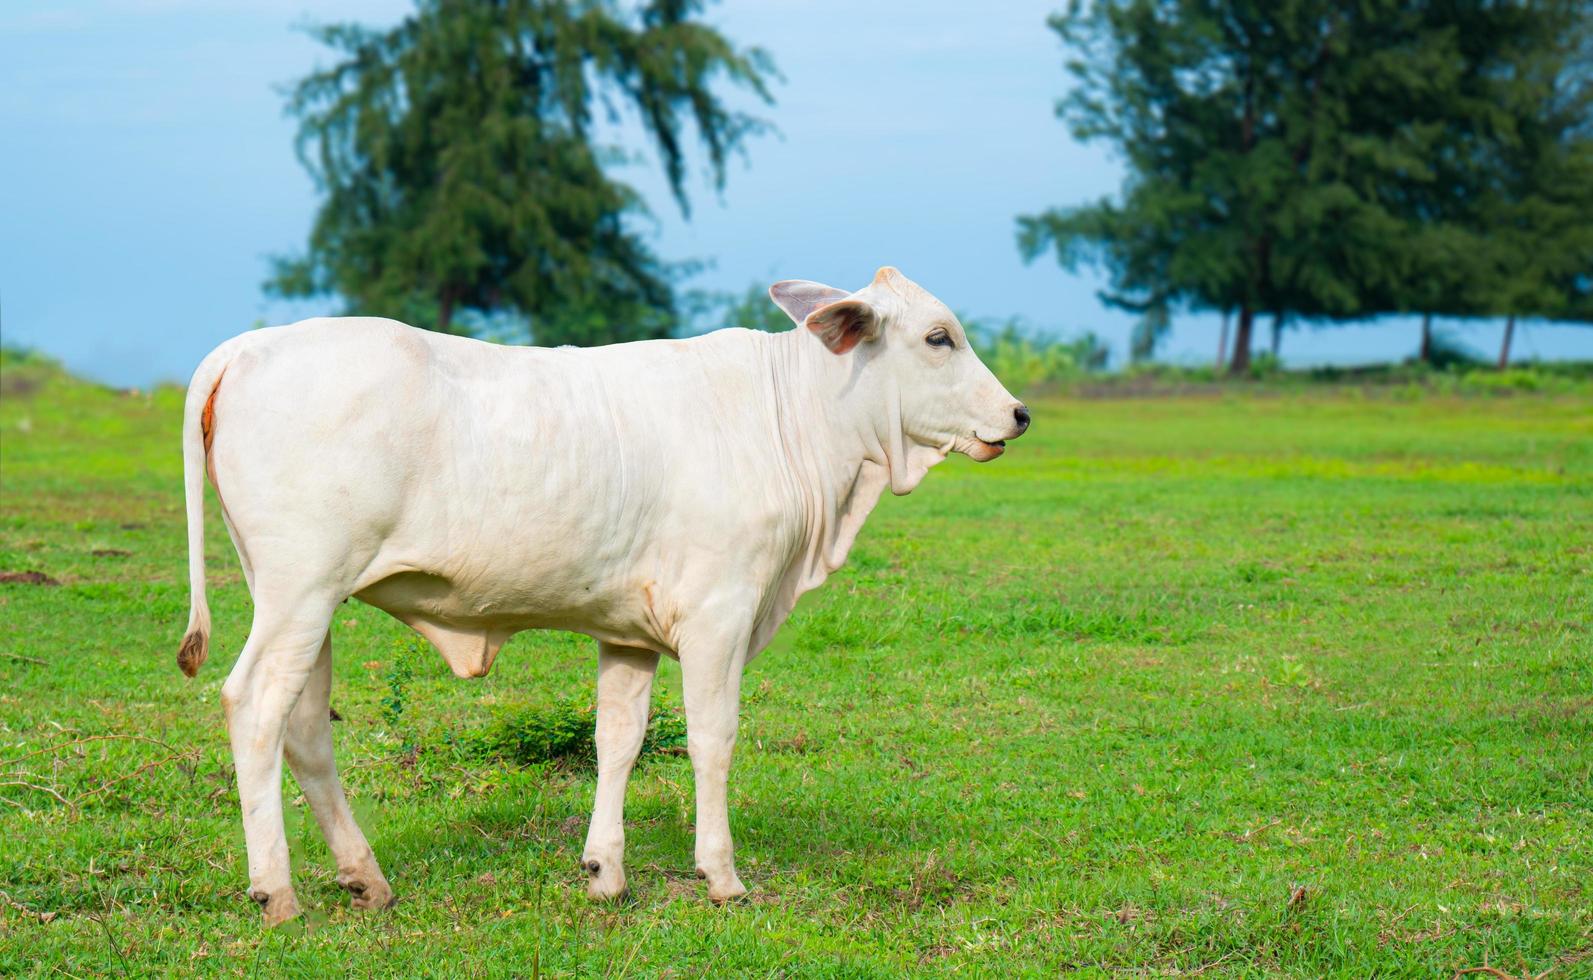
(259, 696)
(624, 685)
(308, 747)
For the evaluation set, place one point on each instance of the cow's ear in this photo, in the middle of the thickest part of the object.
(798, 297)
(844, 324)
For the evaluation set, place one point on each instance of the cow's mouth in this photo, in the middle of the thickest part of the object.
(985, 450)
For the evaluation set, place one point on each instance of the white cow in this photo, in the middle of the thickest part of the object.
(664, 497)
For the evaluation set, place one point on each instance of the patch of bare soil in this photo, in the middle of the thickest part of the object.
(27, 578)
(14, 385)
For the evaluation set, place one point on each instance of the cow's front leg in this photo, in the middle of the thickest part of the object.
(711, 684)
(624, 684)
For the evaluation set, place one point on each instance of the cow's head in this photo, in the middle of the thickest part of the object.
(913, 369)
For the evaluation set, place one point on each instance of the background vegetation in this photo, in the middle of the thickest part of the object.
(1324, 161)
(461, 175)
(1312, 161)
(1283, 678)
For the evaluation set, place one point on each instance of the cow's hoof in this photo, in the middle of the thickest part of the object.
(720, 892)
(607, 883)
(279, 906)
(606, 889)
(369, 892)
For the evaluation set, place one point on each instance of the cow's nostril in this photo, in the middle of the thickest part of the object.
(1021, 414)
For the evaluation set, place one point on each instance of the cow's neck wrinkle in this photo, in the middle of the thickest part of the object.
(833, 459)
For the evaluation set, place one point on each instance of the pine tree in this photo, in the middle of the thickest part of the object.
(1534, 210)
(1226, 114)
(750, 308)
(456, 156)
(1494, 213)
(1312, 160)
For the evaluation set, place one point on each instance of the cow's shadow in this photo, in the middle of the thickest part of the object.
(780, 831)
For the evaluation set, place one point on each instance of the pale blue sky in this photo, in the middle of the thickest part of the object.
(147, 171)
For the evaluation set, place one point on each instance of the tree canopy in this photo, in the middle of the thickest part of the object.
(1325, 161)
(1535, 206)
(751, 308)
(460, 173)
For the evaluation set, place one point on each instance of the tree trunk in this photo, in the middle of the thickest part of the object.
(1504, 348)
(1277, 335)
(1241, 341)
(1426, 355)
(445, 310)
(1222, 340)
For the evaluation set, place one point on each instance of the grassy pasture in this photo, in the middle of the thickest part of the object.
(1261, 683)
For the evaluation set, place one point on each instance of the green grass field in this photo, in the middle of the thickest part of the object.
(1268, 682)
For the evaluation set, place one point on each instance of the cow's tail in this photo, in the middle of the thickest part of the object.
(199, 420)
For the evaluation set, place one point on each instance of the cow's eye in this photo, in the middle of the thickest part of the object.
(939, 338)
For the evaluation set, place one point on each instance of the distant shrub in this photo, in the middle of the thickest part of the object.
(666, 732)
(14, 355)
(1025, 360)
(404, 651)
(705, 310)
(1449, 351)
(1408, 380)
(1200, 373)
(1510, 379)
(1173, 374)
(563, 732)
(1265, 365)
(24, 371)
